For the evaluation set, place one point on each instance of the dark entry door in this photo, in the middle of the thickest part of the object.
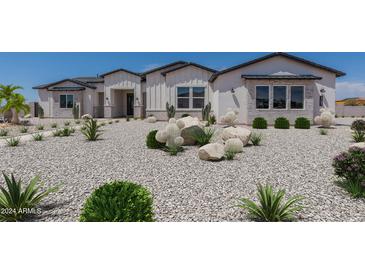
(130, 104)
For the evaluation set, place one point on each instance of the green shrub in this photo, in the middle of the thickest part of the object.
(40, 127)
(77, 122)
(259, 123)
(127, 119)
(118, 201)
(229, 155)
(16, 202)
(358, 136)
(110, 122)
(203, 137)
(256, 139)
(358, 125)
(37, 137)
(117, 121)
(102, 124)
(3, 132)
(54, 125)
(185, 115)
(151, 141)
(302, 123)
(282, 123)
(13, 141)
(92, 130)
(271, 207)
(212, 120)
(323, 131)
(24, 130)
(173, 150)
(67, 123)
(57, 133)
(65, 132)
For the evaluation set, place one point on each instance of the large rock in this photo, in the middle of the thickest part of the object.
(211, 152)
(243, 134)
(359, 145)
(188, 132)
(151, 119)
(234, 144)
(190, 121)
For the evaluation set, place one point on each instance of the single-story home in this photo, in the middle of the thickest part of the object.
(277, 84)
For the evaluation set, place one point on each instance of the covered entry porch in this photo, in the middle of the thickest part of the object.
(119, 103)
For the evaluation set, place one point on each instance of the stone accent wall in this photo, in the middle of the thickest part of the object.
(271, 114)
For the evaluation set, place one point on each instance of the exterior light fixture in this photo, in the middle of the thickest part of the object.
(232, 90)
(322, 90)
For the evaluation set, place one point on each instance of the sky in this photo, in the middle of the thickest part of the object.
(31, 69)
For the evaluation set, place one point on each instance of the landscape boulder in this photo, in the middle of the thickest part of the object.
(242, 133)
(234, 145)
(151, 119)
(326, 119)
(188, 134)
(211, 152)
(359, 145)
(230, 118)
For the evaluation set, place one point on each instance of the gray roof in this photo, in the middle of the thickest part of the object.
(90, 80)
(66, 88)
(186, 65)
(74, 80)
(287, 77)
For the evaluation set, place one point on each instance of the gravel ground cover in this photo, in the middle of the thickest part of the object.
(184, 187)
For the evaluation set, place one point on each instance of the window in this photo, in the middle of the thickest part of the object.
(190, 97)
(296, 97)
(321, 100)
(66, 101)
(279, 100)
(262, 97)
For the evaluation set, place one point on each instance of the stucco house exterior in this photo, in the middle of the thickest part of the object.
(277, 84)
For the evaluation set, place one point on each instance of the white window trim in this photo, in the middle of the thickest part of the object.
(289, 101)
(73, 100)
(286, 97)
(190, 97)
(263, 109)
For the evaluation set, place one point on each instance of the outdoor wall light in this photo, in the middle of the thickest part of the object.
(322, 90)
(232, 90)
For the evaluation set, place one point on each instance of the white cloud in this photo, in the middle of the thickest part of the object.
(350, 89)
(150, 66)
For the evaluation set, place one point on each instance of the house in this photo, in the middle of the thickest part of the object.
(277, 84)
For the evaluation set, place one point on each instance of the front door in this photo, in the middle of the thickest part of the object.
(130, 104)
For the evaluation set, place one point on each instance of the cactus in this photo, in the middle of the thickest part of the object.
(326, 119)
(171, 135)
(170, 111)
(76, 111)
(206, 111)
(230, 118)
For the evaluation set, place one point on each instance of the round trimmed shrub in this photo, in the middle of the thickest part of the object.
(358, 125)
(185, 115)
(282, 123)
(151, 141)
(259, 123)
(303, 123)
(118, 201)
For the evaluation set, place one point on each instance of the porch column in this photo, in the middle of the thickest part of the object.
(108, 102)
(138, 101)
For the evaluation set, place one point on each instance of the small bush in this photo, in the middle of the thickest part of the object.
(91, 131)
(256, 139)
(173, 150)
(151, 141)
(117, 121)
(54, 125)
(203, 137)
(67, 123)
(135, 118)
(259, 123)
(37, 137)
(118, 201)
(16, 202)
(323, 131)
(358, 136)
(65, 132)
(127, 119)
(229, 155)
(110, 122)
(102, 124)
(212, 120)
(185, 115)
(40, 127)
(358, 125)
(3, 132)
(24, 130)
(282, 123)
(13, 141)
(77, 122)
(57, 133)
(302, 123)
(271, 206)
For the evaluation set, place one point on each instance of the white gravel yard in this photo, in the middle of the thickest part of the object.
(185, 188)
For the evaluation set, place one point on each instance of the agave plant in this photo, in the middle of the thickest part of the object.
(24, 130)
(229, 155)
(91, 131)
(204, 137)
(271, 207)
(37, 137)
(16, 202)
(13, 141)
(358, 136)
(256, 138)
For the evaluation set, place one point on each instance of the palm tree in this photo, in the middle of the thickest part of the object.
(14, 102)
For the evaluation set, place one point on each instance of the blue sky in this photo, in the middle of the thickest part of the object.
(31, 69)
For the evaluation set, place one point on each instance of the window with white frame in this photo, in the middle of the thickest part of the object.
(297, 97)
(66, 101)
(190, 97)
(262, 97)
(279, 97)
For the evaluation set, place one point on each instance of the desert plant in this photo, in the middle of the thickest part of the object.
(151, 141)
(203, 137)
(135, 118)
(13, 141)
(54, 125)
(118, 201)
(173, 150)
(259, 123)
(67, 123)
(92, 130)
(302, 123)
(37, 137)
(40, 112)
(76, 111)
(256, 138)
(170, 110)
(229, 155)
(23, 130)
(3, 132)
(206, 111)
(271, 207)
(282, 123)
(358, 125)
(127, 119)
(77, 122)
(102, 124)
(354, 187)
(323, 131)
(57, 133)
(65, 132)
(16, 202)
(40, 127)
(358, 136)
(117, 121)
(212, 120)
(110, 122)
(72, 129)
(185, 115)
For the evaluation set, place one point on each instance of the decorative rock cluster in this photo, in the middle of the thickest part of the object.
(171, 135)
(211, 152)
(230, 118)
(192, 127)
(326, 119)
